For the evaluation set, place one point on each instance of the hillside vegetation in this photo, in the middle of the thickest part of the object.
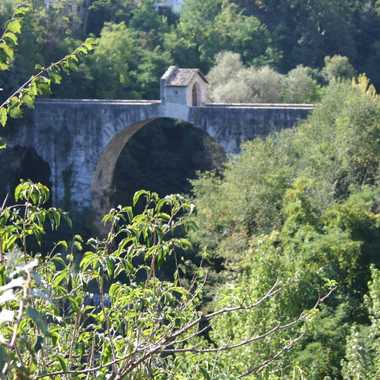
(137, 43)
(270, 269)
(302, 206)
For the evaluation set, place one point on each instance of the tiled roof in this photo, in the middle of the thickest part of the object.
(182, 77)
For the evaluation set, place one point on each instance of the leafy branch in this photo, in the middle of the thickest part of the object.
(125, 326)
(41, 82)
(9, 39)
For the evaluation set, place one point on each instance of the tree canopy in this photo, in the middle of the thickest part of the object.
(282, 35)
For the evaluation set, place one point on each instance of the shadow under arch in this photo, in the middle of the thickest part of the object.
(104, 178)
(21, 163)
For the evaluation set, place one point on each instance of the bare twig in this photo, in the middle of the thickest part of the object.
(1, 241)
(265, 364)
(242, 343)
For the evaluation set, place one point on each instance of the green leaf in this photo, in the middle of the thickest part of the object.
(14, 26)
(60, 277)
(28, 100)
(39, 320)
(55, 78)
(22, 10)
(3, 66)
(8, 51)
(14, 109)
(128, 210)
(63, 244)
(8, 242)
(10, 37)
(3, 117)
(205, 374)
(62, 362)
(138, 195)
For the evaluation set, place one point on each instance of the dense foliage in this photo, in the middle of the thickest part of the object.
(302, 206)
(232, 82)
(295, 218)
(98, 308)
(137, 42)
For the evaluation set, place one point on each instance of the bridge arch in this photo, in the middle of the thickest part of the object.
(103, 182)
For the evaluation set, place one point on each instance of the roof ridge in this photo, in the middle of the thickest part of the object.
(181, 77)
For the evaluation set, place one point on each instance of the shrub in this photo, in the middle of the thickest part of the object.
(300, 87)
(338, 67)
(231, 82)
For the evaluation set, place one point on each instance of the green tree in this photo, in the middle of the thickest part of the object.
(363, 346)
(301, 206)
(305, 32)
(103, 11)
(300, 86)
(338, 67)
(232, 82)
(125, 65)
(310, 252)
(208, 27)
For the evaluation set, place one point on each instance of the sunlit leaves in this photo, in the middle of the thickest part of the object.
(3, 117)
(6, 51)
(14, 27)
(37, 194)
(9, 39)
(41, 82)
(53, 295)
(14, 230)
(363, 84)
(149, 234)
(363, 345)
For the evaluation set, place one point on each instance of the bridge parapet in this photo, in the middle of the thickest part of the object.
(232, 124)
(96, 102)
(279, 106)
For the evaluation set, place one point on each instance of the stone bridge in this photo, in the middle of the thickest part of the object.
(81, 140)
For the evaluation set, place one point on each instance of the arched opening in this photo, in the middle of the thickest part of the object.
(19, 163)
(160, 157)
(195, 95)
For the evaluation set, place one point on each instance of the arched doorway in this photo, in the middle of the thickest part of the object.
(196, 98)
(160, 157)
